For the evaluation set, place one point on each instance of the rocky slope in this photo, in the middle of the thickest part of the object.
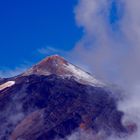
(53, 99)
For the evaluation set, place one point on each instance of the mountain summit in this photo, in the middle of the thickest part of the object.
(50, 65)
(59, 66)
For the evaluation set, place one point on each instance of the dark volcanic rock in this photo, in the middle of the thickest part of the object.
(48, 102)
(38, 106)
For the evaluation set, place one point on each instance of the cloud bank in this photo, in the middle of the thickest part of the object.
(110, 43)
(110, 48)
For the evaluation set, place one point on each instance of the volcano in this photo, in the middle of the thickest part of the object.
(53, 99)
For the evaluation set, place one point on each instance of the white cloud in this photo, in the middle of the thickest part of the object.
(111, 50)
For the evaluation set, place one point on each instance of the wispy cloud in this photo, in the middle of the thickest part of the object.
(48, 50)
(43, 51)
(10, 72)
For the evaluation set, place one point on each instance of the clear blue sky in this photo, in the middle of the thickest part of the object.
(28, 25)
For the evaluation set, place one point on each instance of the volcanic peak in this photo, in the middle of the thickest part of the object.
(53, 60)
(59, 66)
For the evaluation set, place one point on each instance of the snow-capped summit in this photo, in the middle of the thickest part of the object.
(59, 66)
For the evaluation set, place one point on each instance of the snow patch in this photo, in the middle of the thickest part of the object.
(7, 84)
(82, 75)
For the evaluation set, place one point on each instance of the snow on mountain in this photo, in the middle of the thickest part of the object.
(81, 75)
(6, 85)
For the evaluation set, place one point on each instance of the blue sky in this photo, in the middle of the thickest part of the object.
(28, 25)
